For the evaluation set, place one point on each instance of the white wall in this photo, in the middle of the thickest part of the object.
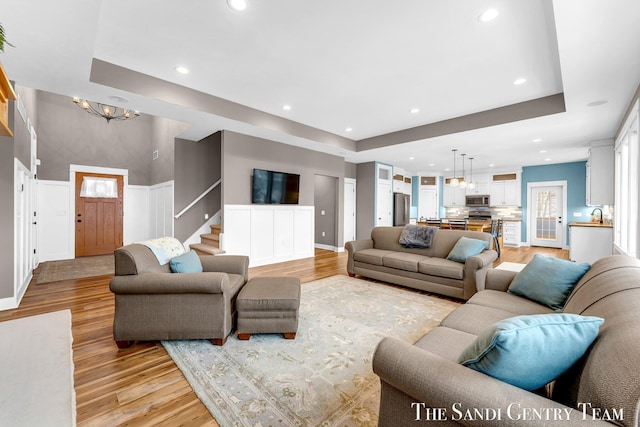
(136, 214)
(161, 210)
(269, 233)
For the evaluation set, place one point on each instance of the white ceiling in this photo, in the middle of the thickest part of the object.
(362, 64)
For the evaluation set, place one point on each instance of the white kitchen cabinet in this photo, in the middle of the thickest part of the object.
(600, 176)
(511, 231)
(453, 196)
(481, 184)
(588, 243)
(428, 202)
(505, 190)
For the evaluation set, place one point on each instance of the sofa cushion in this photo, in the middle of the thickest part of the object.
(371, 256)
(530, 351)
(441, 268)
(465, 248)
(445, 342)
(188, 262)
(508, 302)
(548, 281)
(474, 319)
(403, 261)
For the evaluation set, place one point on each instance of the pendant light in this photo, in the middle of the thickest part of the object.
(454, 181)
(463, 183)
(471, 185)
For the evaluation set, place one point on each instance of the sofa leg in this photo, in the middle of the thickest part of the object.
(352, 275)
(124, 344)
(289, 335)
(244, 337)
(218, 341)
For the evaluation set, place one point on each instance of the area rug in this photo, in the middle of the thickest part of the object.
(78, 268)
(36, 371)
(324, 376)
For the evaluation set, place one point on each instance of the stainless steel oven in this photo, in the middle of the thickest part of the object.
(477, 200)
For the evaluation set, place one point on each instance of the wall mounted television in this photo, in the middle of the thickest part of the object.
(269, 187)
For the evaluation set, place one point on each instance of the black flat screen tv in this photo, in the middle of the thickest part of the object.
(271, 188)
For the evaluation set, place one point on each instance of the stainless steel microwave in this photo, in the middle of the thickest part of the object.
(477, 200)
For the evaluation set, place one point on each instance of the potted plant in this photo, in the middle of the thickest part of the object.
(3, 40)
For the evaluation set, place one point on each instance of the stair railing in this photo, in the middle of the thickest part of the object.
(197, 199)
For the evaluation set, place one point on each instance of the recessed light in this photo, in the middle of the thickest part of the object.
(412, 158)
(596, 103)
(181, 69)
(491, 165)
(348, 129)
(519, 81)
(547, 159)
(415, 110)
(238, 5)
(447, 169)
(537, 139)
(543, 151)
(286, 107)
(433, 164)
(488, 15)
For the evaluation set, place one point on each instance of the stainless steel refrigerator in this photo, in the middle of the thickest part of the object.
(401, 209)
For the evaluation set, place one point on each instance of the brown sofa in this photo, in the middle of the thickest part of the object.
(151, 303)
(382, 257)
(602, 387)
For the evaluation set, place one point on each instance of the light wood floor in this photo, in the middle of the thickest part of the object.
(141, 385)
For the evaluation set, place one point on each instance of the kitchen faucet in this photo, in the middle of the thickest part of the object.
(594, 211)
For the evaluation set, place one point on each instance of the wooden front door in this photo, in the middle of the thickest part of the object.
(98, 219)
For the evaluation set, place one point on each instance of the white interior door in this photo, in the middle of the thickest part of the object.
(546, 216)
(349, 209)
(385, 204)
(428, 203)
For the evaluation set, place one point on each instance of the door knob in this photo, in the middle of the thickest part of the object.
(79, 220)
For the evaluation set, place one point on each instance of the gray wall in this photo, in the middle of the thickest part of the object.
(68, 135)
(163, 138)
(326, 200)
(350, 170)
(242, 153)
(365, 199)
(197, 166)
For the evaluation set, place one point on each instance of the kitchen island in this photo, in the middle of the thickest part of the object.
(589, 241)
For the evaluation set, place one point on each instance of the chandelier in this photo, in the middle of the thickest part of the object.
(107, 112)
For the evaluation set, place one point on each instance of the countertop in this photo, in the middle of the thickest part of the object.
(588, 224)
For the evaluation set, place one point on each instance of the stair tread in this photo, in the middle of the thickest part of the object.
(210, 236)
(216, 227)
(206, 248)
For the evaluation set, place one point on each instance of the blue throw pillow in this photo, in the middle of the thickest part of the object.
(465, 248)
(531, 351)
(188, 262)
(548, 281)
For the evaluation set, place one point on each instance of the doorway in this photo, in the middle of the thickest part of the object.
(546, 213)
(326, 212)
(99, 213)
(349, 209)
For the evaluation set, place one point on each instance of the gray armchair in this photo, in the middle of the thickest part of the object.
(151, 303)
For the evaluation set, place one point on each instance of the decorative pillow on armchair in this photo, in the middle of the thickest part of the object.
(548, 281)
(531, 351)
(186, 263)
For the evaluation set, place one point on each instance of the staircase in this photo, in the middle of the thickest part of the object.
(209, 243)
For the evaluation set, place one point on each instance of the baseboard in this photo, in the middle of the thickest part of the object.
(328, 247)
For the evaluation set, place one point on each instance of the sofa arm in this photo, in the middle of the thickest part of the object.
(499, 280)
(475, 270)
(170, 283)
(421, 377)
(354, 246)
(230, 264)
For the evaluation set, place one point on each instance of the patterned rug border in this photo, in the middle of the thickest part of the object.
(218, 402)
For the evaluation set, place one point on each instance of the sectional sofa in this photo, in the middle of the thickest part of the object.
(427, 382)
(382, 257)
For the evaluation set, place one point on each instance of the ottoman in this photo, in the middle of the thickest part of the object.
(268, 305)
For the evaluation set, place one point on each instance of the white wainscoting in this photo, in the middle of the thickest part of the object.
(161, 209)
(269, 233)
(136, 214)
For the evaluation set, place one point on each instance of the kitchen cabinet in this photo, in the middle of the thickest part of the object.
(505, 190)
(600, 176)
(589, 242)
(453, 196)
(481, 184)
(511, 231)
(428, 202)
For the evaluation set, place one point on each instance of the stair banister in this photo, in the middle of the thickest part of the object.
(197, 199)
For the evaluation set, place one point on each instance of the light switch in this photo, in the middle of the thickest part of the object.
(321, 212)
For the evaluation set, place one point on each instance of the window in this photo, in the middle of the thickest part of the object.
(99, 187)
(627, 187)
